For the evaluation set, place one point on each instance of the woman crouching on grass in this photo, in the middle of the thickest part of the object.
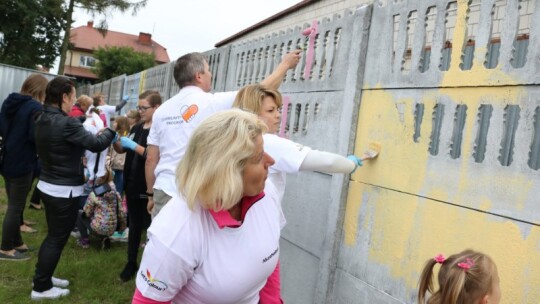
(217, 241)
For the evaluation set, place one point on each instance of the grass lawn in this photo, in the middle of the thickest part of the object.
(92, 273)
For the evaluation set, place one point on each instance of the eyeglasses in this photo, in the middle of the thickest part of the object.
(143, 108)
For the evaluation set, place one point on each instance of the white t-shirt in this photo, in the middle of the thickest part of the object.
(189, 259)
(172, 126)
(108, 111)
(288, 157)
(94, 124)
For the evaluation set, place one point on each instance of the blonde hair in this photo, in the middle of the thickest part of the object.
(251, 97)
(122, 125)
(85, 101)
(458, 285)
(35, 85)
(211, 170)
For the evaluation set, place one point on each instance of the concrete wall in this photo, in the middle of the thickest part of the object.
(436, 193)
(461, 144)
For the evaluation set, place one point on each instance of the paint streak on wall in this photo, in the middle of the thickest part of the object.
(405, 230)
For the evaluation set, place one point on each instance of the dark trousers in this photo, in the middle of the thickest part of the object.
(61, 214)
(139, 219)
(35, 199)
(83, 224)
(17, 189)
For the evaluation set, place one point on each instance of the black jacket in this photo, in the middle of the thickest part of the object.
(61, 141)
(17, 119)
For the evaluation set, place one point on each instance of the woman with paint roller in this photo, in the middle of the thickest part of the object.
(290, 157)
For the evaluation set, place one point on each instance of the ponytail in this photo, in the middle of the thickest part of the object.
(426, 281)
(463, 278)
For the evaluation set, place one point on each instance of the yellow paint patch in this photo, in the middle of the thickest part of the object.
(354, 202)
(407, 230)
(478, 74)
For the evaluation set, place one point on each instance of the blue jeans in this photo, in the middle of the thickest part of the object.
(17, 188)
(119, 181)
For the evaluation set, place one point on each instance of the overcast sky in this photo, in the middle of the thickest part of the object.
(190, 26)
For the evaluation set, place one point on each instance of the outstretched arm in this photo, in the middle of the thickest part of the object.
(327, 162)
(290, 60)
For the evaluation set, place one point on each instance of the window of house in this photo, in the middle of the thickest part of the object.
(87, 61)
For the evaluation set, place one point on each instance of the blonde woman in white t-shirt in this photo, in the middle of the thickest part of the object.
(217, 240)
(290, 157)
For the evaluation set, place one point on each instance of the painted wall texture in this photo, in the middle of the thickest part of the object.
(458, 168)
(450, 89)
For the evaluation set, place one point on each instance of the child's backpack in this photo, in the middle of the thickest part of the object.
(105, 212)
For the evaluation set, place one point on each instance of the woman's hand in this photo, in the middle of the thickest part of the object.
(150, 205)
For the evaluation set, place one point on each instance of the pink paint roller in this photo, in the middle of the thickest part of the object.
(310, 33)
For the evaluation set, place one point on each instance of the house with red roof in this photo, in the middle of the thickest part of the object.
(85, 39)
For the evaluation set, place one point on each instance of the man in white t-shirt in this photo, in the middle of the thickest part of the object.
(174, 122)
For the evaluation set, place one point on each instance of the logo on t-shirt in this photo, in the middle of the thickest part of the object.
(299, 146)
(266, 259)
(153, 282)
(188, 112)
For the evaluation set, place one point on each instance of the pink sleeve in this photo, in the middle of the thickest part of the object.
(271, 292)
(138, 298)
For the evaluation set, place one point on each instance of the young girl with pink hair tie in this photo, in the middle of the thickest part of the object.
(468, 277)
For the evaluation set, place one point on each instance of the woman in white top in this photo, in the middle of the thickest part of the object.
(217, 241)
(290, 157)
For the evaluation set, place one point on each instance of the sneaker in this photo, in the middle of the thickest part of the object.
(120, 236)
(60, 282)
(53, 293)
(84, 243)
(106, 243)
(17, 256)
(129, 271)
(24, 250)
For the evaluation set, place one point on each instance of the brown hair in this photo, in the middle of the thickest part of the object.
(134, 114)
(56, 89)
(152, 96)
(97, 99)
(122, 125)
(458, 285)
(35, 85)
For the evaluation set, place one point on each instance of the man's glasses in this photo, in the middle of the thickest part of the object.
(142, 108)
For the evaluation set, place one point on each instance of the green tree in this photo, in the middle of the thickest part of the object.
(95, 7)
(32, 32)
(115, 61)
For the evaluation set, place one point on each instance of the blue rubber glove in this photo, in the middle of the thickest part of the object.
(128, 143)
(125, 98)
(356, 160)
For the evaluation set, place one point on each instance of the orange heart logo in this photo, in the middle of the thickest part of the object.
(189, 112)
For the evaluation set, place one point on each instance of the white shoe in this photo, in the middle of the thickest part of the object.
(60, 282)
(53, 293)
